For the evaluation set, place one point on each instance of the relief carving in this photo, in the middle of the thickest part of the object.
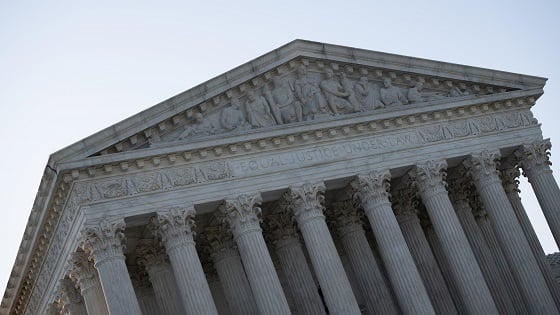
(391, 95)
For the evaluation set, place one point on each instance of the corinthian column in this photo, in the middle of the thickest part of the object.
(509, 233)
(373, 191)
(104, 243)
(405, 205)
(460, 187)
(69, 299)
(293, 263)
(430, 179)
(176, 229)
(509, 173)
(229, 267)
(306, 203)
(348, 223)
(85, 276)
(534, 159)
(153, 258)
(243, 216)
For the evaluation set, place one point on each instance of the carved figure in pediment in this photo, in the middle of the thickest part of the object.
(232, 117)
(366, 95)
(455, 92)
(308, 93)
(391, 95)
(417, 95)
(414, 95)
(282, 102)
(198, 126)
(337, 97)
(258, 111)
(347, 87)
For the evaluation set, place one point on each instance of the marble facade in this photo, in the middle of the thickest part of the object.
(316, 179)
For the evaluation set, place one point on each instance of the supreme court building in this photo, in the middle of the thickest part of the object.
(315, 179)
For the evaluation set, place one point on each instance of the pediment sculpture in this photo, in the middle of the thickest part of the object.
(308, 91)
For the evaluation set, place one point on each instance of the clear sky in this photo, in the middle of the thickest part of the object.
(71, 68)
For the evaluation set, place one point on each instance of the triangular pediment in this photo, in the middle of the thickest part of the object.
(297, 84)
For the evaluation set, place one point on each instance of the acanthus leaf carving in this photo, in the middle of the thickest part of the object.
(306, 201)
(104, 240)
(430, 177)
(483, 167)
(372, 188)
(243, 213)
(346, 216)
(82, 271)
(175, 225)
(535, 157)
(280, 222)
(406, 201)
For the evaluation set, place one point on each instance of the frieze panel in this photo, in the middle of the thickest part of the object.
(303, 90)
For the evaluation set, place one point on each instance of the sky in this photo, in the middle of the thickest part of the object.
(71, 68)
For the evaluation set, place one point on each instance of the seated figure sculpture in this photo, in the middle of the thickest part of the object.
(337, 97)
(258, 111)
(366, 95)
(232, 117)
(391, 95)
(309, 95)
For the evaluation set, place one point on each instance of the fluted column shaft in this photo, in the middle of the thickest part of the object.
(148, 301)
(84, 274)
(468, 277)
(237, 290)
(243, 214)
(368, 275)
(534, 159)
(509, 233)
(176, 226)
(293, 263)
(104, 243)
(153, 258)
(372, 190)
(502, 296)
(306, 202)
(426, 263)
(509, 175)
(443, 264)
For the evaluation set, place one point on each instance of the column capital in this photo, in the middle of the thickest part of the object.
(535, 157)
(460, 186)
(175, 225)
(306, 201)
(430, 177)
(243, 213)
(482, 167)
(105, 240)
(509, 173)
(219, 240)
(405, 202)
(281, 223)
(82, 271)
(346, 216)
(150, 253)
(372, 188)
